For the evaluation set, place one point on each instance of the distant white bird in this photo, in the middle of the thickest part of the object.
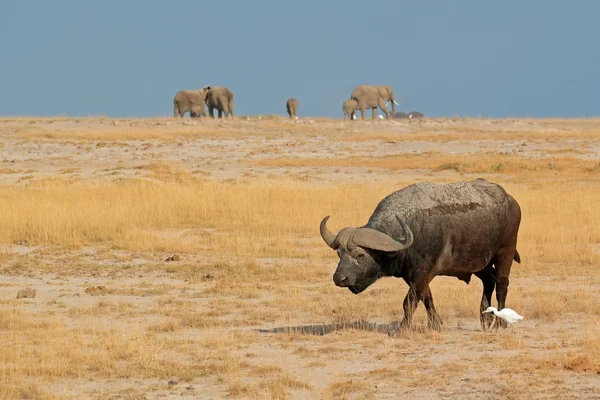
(509, 315)
(380, 116)
(353, 116)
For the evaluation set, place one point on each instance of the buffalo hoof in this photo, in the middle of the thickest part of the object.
(435, 324)
(486, 321)
(497, 322)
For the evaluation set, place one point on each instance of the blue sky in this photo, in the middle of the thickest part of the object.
(128, 58)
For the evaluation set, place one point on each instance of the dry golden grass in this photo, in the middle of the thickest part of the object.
(265, 219)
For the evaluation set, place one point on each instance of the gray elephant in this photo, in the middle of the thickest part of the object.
(292, 107)
(349, 108)
(388, 95)
(192, 101)
(220, 98)
(369, 96)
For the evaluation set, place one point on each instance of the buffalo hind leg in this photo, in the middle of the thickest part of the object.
(488, 278)
(503, 262)
(433, 319)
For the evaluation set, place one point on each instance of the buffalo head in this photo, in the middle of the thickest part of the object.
(361, 252)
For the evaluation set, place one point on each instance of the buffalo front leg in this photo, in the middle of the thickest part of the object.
(433, 319)
(488, 278)
(415, 294)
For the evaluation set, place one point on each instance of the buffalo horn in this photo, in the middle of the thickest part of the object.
(327, 236)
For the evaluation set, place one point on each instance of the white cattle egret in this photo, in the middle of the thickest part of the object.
(380, 116)
(353, 116)
(509, 315)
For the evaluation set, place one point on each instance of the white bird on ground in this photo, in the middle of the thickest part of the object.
(380, 116)
(509, 315)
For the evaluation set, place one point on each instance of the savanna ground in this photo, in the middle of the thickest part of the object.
(157, 247)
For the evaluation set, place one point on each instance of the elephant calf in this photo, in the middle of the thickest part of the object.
(292, 107)
(349, 108)
(192, 101)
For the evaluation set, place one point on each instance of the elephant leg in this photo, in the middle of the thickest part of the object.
(211, 111)
(175, 111)
(383, 108)
(374, 115)
(363, 112)
(220, 111)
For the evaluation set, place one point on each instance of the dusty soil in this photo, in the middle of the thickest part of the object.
(540, 359)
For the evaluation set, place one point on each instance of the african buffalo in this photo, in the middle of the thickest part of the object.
(428, 229)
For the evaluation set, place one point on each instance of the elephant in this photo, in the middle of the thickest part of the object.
(388, 95)
(220, 98)
(369, 96)
(192, 101)
(292, 107)
(349, 108)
